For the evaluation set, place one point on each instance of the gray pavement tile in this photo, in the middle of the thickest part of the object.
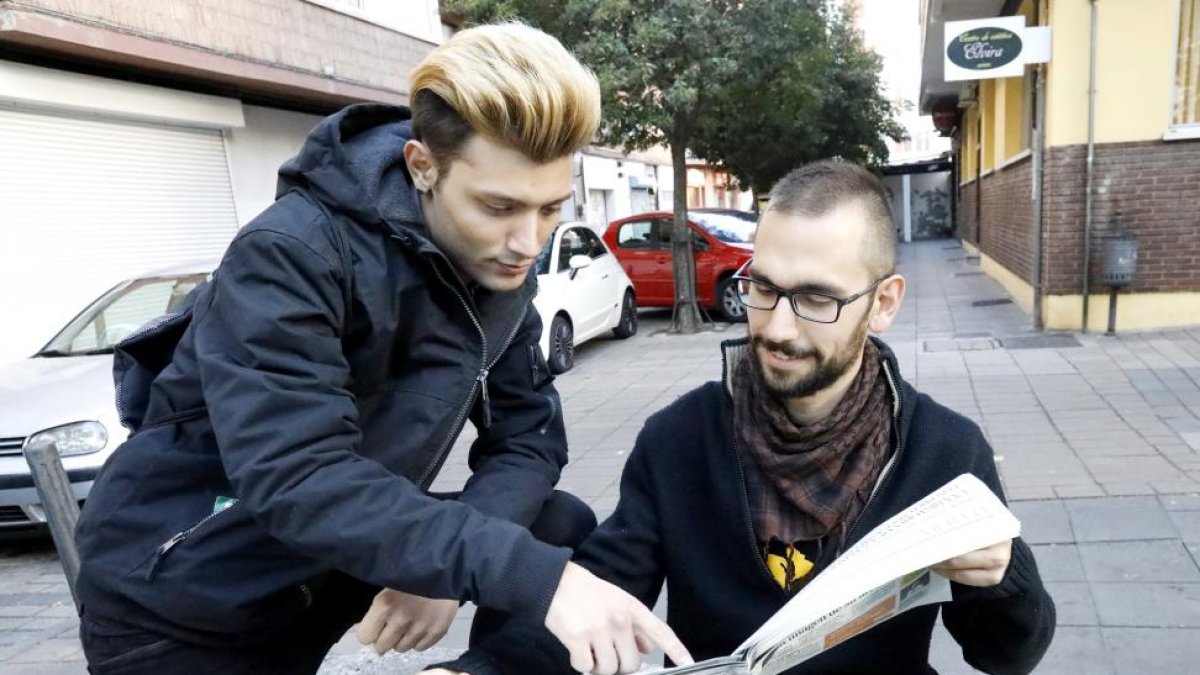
(1115, 519)
(58, 668)
(1188, 524)
(54, 649)
(1078, 491)
(1021, 493)
(1073, 603)
(1138, 561)
(1043, 522)
(20, 611)
(1142, 651)
(1076, 650)
(1181, 502)
(1172, 605)
(1182, 486)
(1058, 562)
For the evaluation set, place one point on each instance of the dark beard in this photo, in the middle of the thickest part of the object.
(827, 371)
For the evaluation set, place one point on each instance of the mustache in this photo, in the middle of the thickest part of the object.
(784, 348)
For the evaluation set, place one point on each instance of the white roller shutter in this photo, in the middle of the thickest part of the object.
(86, 202)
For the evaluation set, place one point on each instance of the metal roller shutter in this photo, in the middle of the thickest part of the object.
(86, 202)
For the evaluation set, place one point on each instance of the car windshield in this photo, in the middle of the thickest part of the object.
(731, 227)
(120, 312)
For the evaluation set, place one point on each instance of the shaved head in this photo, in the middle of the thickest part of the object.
(815, 189)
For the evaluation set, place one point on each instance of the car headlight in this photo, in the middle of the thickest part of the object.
(79, 438)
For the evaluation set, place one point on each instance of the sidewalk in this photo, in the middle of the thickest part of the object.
(1097, 440)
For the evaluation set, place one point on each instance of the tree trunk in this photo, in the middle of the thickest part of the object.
(686, 317)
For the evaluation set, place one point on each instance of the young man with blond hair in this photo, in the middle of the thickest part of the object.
(275, 490)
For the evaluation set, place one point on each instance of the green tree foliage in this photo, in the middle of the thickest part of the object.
(755, 86)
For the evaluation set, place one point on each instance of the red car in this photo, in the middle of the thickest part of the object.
(723, 241)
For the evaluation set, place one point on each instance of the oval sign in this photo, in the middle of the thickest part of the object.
(984, 48)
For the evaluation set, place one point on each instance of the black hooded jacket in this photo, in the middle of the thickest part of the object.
(303, 415)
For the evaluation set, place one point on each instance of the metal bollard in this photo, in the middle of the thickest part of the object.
(62, 510)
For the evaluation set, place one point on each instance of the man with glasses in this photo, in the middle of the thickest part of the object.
(742, 491)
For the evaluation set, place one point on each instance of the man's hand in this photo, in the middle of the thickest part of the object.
(605, 629)
(402, 622)
(982, 567)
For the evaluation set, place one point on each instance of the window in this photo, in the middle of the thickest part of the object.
(579, 241)
(121, 312)
(665, 228)
(1187, 65)
(590, 244)
(639, 234)
(418, 18)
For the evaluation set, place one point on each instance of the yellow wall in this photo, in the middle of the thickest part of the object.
(969, 170)
(1015, 118)
(1135, 311)
(1135, 70)
(987, 107)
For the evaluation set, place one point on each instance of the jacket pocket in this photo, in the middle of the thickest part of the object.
(164, 550)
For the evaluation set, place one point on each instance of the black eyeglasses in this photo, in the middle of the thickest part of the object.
(808, 305)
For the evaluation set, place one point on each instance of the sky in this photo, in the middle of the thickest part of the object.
(892, 28)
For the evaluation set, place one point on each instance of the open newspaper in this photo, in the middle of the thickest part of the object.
(884, 574)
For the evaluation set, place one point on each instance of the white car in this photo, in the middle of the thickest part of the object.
(582, 292)
(64, 392)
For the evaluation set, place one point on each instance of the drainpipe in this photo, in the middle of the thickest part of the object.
(1091, 157)
(1039, 164)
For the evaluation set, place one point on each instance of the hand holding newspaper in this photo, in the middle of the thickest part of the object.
(884, 574)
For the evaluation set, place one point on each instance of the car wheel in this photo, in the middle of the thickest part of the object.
(562, 345)
(730, 308)
(627, 324)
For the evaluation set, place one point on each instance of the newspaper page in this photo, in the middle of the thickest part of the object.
(882, 575)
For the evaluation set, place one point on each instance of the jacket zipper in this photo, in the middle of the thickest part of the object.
(891, 465)
(480, 381)
(888, 470)
(737, 458)
(179, 538)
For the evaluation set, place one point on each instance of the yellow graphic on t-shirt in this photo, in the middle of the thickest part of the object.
(788, 568)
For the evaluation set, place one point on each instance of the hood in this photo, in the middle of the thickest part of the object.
(353, 162)
(40, 393)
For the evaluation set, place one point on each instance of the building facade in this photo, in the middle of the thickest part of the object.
(1119, 156)
(137, 135)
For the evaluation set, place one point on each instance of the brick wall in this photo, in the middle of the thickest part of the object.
(1006, 226)
(1156, 187)
(289, 34)
(967, 198)
(1003, 231)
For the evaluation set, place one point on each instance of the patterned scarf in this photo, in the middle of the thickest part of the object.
(807, 481)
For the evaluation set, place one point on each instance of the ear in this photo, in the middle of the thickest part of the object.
(888, 297)
(421, 165)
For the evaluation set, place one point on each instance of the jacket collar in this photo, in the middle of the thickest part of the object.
(732, 351)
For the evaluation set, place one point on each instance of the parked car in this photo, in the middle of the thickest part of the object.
(723, 240)
(64, 393)
(582, 292)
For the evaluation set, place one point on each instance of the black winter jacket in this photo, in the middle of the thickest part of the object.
(684, 519)
(326, 418)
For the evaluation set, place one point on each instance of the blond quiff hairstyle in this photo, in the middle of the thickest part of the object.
(510, 83)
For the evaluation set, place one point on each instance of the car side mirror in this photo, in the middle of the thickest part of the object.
(578, 262)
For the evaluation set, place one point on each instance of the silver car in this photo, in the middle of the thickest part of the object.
(64, 393)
